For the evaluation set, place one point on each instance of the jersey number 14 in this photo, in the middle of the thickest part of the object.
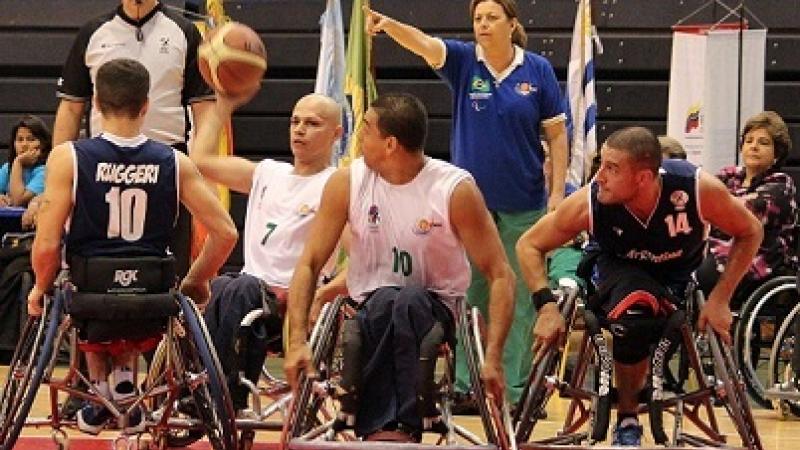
(678, 225)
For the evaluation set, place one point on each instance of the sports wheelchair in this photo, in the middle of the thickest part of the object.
(310, 423)
(108, 299)
(591, 399)
(759, 333)
(783, 370)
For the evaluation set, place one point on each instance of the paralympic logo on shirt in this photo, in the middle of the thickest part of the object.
(373, 216)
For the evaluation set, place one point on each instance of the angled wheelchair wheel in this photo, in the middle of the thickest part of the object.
(537, 392)
(205, 379)
(783, 376)
(735, 399)
(494, 424)
(754, 334)
(535, 395)
(29, 364)
(304, 412)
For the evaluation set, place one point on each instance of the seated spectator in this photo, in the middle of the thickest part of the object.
(22, 177)
(768, 193)
(671, 148)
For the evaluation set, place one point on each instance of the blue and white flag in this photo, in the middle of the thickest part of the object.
(331, 69)
(581, 95)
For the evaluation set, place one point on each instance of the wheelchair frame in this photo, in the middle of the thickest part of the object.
(312, 412)
(191, 364)
(757, 308)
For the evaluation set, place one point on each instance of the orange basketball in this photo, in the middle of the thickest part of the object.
(232, 58)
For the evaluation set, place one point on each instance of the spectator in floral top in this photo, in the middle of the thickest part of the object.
(769, 194)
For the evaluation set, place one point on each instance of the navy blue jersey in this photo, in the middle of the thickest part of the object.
(670, 245)
(126, 198)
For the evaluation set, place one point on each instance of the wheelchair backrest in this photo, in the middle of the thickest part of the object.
(116, 275)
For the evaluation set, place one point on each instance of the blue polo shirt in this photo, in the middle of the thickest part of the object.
(32, 176)
(495, 134)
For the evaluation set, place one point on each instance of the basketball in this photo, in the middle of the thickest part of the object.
(232, 58)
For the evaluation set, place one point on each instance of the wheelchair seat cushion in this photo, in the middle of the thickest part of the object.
(118, 275)
(106, 317)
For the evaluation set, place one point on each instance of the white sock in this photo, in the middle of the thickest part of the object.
(123, 383)
(102, 388)
(629, 421)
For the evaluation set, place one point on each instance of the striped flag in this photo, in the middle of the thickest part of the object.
(581, 95)
(331, 69)
(359, 83)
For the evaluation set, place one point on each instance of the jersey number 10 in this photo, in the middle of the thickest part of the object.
(127, 209)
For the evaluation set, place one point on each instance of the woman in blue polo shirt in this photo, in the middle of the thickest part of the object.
(22, 177)
(503, 96)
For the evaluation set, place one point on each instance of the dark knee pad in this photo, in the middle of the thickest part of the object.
(634, 332)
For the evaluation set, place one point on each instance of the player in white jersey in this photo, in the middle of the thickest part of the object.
(283, 200)
(413, 222)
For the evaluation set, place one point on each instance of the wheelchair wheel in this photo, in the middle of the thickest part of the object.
(782, 374)
(754, 334)
(469, 334)
(25, 286)
(535, 395)
(303, 412)
(735, 399)
(211, 398)
(26, 371)
(172, 437)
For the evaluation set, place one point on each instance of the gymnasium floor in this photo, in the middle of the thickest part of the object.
(776, 432)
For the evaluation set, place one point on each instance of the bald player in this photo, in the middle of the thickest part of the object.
(283, 200)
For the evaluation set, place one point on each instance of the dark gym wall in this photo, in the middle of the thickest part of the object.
(632, 74)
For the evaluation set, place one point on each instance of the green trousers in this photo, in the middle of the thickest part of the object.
(517, 354)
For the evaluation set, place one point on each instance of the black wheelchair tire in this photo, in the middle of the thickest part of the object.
(17, 420)
(212, 399)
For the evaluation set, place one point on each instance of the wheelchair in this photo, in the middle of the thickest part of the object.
(141, 296)
(755, 334)
(17, 277)
(783, 371)
(591, 396)
(311, 417)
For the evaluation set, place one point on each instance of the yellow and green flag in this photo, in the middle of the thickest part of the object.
(216, 11)
(359, 83)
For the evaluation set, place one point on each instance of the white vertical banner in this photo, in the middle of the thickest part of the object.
(703, 92)
(685, 116)
(721, 91)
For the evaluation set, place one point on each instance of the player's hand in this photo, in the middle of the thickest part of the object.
(549, 329)
(198, 291)
(298, 359)
(321, 297)
(35, 301)
(226, 104)
(494, 379)
(5, 200)
(716, 313)
(375, 22)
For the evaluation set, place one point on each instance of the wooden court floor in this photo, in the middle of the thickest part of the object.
(776, 432)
